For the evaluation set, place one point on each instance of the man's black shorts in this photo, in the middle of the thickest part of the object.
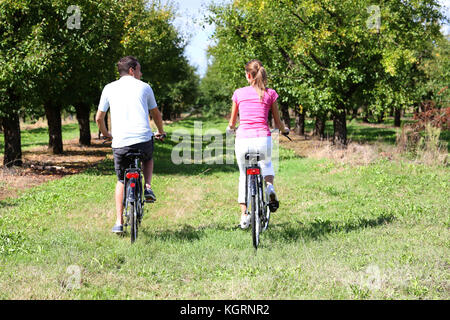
(121, 161)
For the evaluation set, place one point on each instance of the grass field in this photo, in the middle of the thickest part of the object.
(342, 232)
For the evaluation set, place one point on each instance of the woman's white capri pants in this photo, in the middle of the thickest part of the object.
(262, 145)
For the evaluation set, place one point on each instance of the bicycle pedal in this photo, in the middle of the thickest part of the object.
(149, 201)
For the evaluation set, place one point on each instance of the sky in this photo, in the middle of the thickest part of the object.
(191, 24)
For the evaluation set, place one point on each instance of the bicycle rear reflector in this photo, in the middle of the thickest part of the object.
(253, 171)
(132, 185)
(132, 175)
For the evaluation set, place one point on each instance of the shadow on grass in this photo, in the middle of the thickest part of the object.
(369, 134)
(39, 136)
(318, 228)
(186, 233)
(283, 232)
(7, 203)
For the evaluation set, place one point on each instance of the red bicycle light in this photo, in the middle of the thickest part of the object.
(132, 185)
(253, 171)
(132, 175)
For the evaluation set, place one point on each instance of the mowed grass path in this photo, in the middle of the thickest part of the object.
(371, 232)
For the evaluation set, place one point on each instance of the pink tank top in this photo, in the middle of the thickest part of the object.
(253, 113)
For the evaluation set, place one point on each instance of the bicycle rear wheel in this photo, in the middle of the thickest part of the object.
(133, 222)
(256, 222)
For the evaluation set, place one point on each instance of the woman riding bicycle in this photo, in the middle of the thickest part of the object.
(253, 104)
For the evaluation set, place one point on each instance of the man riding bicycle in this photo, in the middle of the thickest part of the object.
(130, 100)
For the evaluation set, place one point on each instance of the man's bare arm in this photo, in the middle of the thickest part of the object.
(157, 118)
(100, 119)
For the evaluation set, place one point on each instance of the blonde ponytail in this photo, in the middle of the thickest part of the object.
(259, 76)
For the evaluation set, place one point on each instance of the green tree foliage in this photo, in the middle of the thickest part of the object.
(21, 55)
(56, 55)
(51, 64)
(152, 38)
(215, 92)
(330, 56)
(437, 70)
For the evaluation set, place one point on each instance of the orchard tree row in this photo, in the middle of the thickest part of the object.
(328, 59)
(57, 55)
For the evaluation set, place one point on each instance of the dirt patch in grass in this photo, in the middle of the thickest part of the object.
(354, 154)
(41, 166)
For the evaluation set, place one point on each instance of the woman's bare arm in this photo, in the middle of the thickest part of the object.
(276, 118)
(234, 113)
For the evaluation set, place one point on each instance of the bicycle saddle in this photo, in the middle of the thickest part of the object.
(134, 155)
(254, 156)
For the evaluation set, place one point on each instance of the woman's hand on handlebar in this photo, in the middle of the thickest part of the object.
(231, 130)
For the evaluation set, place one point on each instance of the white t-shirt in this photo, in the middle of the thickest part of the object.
(130, 101)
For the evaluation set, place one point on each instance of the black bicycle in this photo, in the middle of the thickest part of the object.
(133, 199)
(258, 204)
(256, 199)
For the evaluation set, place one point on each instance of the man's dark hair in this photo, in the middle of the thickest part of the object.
(126, 63)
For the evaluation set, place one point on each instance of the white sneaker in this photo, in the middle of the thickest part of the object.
(245, 221)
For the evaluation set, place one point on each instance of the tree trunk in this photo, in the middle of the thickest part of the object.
(397, 115)
(319, 127)
(13, 148)
(83, 110)
(166, 112)
(380, 118)
(416, 107)
(53, 114)
(340, 128)
(285, 114)
(366, 114)
(355, 113)
(300, 123)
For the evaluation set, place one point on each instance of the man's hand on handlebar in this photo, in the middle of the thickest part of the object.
(106, 138)
(160, 136)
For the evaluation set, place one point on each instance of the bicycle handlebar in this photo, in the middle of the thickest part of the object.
(159, 137)
(286, 135)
